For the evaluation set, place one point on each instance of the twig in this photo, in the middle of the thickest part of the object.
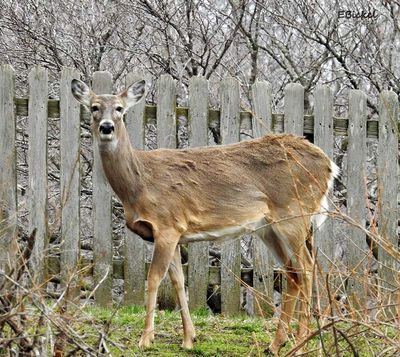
(331, 308)
(309, 337)
(102, 347)
(355, 353)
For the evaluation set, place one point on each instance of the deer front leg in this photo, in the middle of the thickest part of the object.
(164, 248)
(178, 281)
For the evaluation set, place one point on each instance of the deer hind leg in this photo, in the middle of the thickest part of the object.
(277, 244)
(288, 245)
(290, 297)
(178, 281)
(305, 295)
(164, 248)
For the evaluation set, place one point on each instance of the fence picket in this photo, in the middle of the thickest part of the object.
(294, 109)
(69, 182)
(134, 249)
(102, 213)
(166, 112)
(323, 137)
(166, 138)
(230, 251)
(37, 163)
(263, 261)
(198, 136)
(387, 198)
(8, 178)
(357, 193)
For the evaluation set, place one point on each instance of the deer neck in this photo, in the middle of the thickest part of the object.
(122, 168)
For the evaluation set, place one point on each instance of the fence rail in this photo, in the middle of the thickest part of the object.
(229, 120)
(340, 125)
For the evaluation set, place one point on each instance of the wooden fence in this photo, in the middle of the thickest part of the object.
(228, 119)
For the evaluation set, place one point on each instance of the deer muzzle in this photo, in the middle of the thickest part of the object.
(106, 129)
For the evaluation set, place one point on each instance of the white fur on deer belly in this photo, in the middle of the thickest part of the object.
(225, 233)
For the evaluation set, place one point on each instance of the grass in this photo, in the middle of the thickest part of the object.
(216, 335)
(119, 330)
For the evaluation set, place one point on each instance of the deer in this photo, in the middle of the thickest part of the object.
(274, 187)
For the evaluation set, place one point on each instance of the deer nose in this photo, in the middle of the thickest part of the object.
(106, 128)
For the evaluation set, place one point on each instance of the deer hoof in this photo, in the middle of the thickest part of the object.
(146, 339)
(272, 350)
(268, 352)
(187, 343)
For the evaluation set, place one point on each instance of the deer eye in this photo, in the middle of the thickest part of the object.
(119, 109)
(94, 108)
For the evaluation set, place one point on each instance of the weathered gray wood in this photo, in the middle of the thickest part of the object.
(294, 109)
(69, 182)
(230, 251)
(263, 261)
(134, 266)
(388, 196)
(8, 179)
(166, 112)
(37, 163)
(262, 109)
(134, 118)
(323, 137)
(166, 138)
(102, 212)
(198, 136)
(357, 194)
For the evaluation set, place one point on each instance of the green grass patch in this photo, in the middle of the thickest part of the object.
(217, 335)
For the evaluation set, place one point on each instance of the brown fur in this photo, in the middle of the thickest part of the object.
(219, 186)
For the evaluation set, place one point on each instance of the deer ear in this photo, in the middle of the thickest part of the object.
(133, 93)
(81, 92)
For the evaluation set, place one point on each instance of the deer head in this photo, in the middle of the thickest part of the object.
(107, 110)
